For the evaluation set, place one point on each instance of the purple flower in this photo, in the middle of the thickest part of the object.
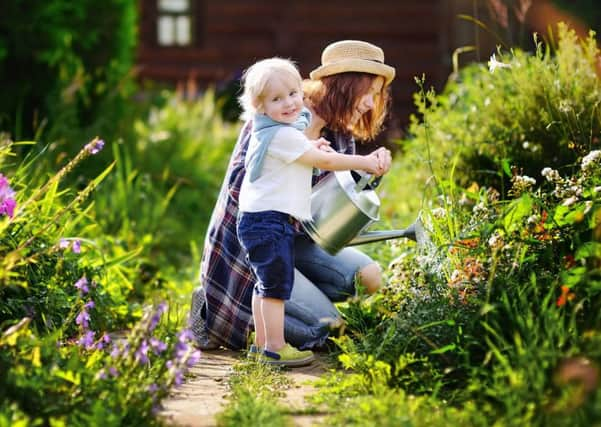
(141, 354)
(153, 388)
(90, 304)
(178, 378)
(115, 352)
(7, 200)
(83, 319)
(156, 317)
(185, 335)
(82, 285)
(181, 348)
(194, 358)
(157, 345)
(113, 371)
(95, 146)
(75, 246)
(87, 340)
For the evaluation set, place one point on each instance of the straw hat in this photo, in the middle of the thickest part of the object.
(353, 55)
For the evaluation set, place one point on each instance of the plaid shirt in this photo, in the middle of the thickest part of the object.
(224, 271)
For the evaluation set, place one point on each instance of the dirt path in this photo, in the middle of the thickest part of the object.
(197, 401)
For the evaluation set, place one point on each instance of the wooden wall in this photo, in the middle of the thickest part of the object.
(232, 34)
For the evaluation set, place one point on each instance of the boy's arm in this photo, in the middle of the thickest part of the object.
(333, 161)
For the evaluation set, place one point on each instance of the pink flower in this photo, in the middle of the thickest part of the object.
(7, 200)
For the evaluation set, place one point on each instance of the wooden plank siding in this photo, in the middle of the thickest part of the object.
(233, 34)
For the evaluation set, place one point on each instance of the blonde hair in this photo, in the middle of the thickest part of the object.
(256, 77)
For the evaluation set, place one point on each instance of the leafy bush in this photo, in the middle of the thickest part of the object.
(64, 298)
(499, 308)
(535, 111)
(168, 179)
(65, 61)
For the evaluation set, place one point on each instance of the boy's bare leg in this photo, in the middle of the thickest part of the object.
(272, 310)
(258, 319)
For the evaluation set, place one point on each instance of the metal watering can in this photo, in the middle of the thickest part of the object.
(343, 207)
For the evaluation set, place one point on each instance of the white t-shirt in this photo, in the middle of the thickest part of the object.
(284, 184)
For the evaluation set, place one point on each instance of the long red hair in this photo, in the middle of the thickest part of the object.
(335, 98)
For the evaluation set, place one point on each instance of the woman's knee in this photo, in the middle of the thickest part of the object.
(370, 277)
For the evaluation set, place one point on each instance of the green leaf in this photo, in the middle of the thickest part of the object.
(119, 259)
(588, 250)
(506, 167)
(566, 215)
(444, 349)
(70, 376)
(517, 211)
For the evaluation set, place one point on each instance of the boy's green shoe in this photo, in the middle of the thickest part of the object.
(287, 356)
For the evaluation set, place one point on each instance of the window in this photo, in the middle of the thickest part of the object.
(175, 22)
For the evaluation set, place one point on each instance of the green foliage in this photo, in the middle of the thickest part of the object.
(168, 179)
(254, 386)
(498, 309)
(534, 110)
(62, 296)
(63, 62)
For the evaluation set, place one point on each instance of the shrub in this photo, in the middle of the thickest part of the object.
(534, 110)
(65, 61)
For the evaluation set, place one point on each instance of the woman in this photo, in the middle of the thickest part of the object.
(349, 96)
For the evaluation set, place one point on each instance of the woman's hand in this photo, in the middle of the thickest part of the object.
(374, 165)
(317, 123)
(384, 158)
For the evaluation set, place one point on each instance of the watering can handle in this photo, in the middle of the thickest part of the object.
(367, 180)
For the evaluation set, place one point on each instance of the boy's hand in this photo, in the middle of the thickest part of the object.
(322, 144)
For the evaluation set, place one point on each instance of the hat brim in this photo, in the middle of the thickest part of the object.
(354, 65)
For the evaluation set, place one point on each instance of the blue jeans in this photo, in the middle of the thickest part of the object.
(268, 238)
(320, 279)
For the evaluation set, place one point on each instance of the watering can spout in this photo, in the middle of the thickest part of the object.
(415, 232)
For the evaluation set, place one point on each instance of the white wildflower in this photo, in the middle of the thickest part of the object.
(576, 190)
(439, 213)
(522, 183)
(533, 219)
(565, 106)
(551, 175)
(493, 64)
(589, 161)
(455, 275)
(570, 201)
(495, 241)
(479, 208)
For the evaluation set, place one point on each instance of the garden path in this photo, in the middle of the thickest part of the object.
(202, 396)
